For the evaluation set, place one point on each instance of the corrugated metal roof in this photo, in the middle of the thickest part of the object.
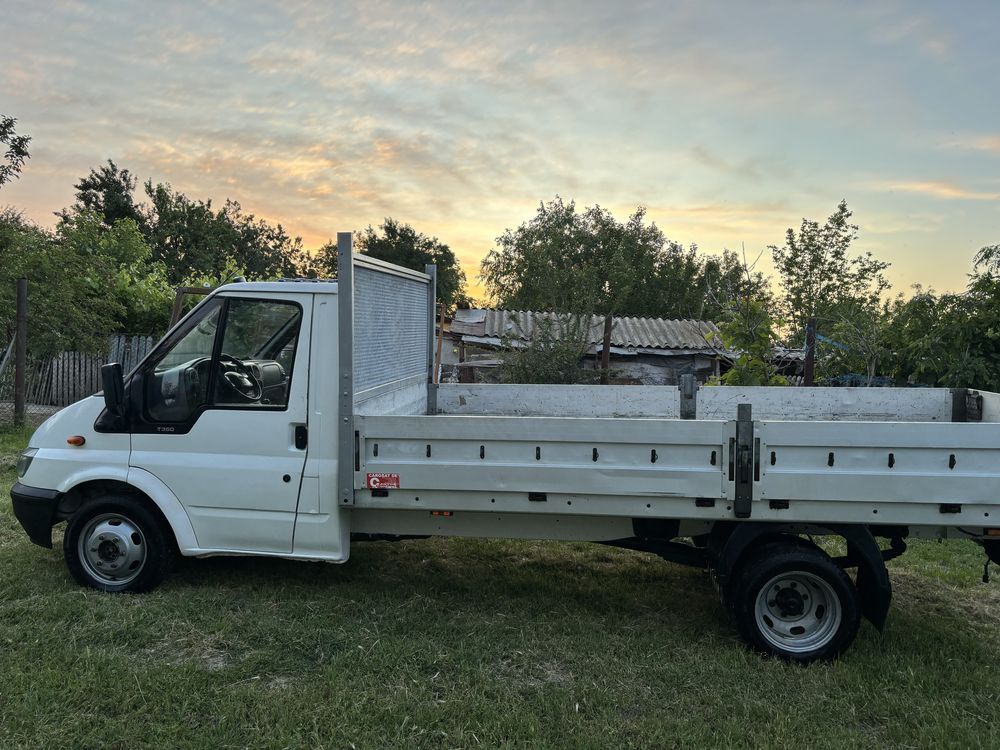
(646, 333)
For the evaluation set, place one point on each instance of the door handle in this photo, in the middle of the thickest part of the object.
(301, 437)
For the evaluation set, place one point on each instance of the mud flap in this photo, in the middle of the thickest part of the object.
(992, 548)
(874, 587)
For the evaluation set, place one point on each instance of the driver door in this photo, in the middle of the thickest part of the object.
(215, 414)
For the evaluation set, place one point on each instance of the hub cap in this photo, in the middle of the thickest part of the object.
(112, 548)
(798, 612)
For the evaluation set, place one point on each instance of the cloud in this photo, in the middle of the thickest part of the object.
(899, 25)
(934, 189)
(973, 142)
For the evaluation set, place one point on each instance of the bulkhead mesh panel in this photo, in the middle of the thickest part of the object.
(390, 328)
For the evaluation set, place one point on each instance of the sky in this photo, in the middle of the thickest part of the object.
(728, 121)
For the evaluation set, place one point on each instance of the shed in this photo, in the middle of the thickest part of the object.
(646, 351)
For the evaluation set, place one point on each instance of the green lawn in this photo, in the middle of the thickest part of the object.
(473, 644)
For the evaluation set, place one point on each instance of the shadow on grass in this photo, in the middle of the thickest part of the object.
(473, 574)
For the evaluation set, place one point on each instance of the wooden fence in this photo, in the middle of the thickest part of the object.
(62, 379)
(76, 375)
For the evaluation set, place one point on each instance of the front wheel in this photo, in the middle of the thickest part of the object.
(794, 602)
(117, 544)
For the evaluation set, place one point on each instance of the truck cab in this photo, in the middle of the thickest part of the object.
(215, 432)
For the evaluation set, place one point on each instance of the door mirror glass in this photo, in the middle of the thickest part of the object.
(114, 389)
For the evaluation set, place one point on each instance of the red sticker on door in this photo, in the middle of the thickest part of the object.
(382, 481)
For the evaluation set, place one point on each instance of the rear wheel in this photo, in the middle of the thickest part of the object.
(794, 602)
(117, 544)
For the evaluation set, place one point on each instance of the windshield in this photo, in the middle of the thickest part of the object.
(194, 344)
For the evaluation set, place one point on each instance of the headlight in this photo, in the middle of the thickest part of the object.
(25, 461)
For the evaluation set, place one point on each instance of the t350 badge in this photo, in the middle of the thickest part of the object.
(382, 481)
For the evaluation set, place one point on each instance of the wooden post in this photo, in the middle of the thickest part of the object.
(440, 344)
(20, 350)
(606, 349)
(179, 293)
(808, 374)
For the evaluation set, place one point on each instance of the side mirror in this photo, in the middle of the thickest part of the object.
(114, 389)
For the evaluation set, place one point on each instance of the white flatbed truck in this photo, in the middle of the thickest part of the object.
(289, 418)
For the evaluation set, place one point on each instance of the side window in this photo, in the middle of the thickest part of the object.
(250, 367)
(257, 353)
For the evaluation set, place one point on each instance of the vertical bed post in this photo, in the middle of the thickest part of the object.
(431, 270)
(345, 368)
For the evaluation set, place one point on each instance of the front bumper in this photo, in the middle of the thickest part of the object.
(35, 509)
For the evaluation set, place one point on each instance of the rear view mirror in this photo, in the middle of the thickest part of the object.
(114, 389)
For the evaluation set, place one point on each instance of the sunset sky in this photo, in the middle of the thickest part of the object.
(729, 121)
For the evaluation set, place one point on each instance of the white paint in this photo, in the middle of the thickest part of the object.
(409, 400)
(560, 400)
(828, 404)
(991, 406)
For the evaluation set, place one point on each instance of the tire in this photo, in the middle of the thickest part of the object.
(116, 543)
(793, 602)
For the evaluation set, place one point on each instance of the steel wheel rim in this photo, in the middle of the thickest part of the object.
(112, 548)
(798, 612)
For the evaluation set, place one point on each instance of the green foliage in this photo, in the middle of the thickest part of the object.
(578, 262)
(818, 273)
(16, 152)
(952, 340)
(108, 191)
(863, 336)
(748, 330)
(85, 281)
(553, 354)
(724, 279)
(587, 261)
(121, 260)
(191, 237)
(68, 302)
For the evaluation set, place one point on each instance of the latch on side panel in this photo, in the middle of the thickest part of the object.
(743, 500)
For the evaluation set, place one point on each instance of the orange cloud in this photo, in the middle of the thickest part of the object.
(935, 189)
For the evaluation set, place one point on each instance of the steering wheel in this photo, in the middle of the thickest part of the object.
(237, 377)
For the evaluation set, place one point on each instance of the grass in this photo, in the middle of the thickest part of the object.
(449, 643)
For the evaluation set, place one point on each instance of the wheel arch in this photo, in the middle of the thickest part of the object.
(141, 485)
(730, 544)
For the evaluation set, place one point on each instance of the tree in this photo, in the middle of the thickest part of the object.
(817, 272)
(403, 245)
(553, 354)
(585, 262)
(122, 264)
(187, 236)
(263, 250)
(952, 340)
(69, 303)
(108, 191)
(191, 237)
(727, 278)
(747, 326)
(16, 152)
(860, 341)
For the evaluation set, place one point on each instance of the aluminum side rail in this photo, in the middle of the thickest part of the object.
(612, 467)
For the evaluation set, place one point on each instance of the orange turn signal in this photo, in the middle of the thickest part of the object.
(76, 440)
(992, 532)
